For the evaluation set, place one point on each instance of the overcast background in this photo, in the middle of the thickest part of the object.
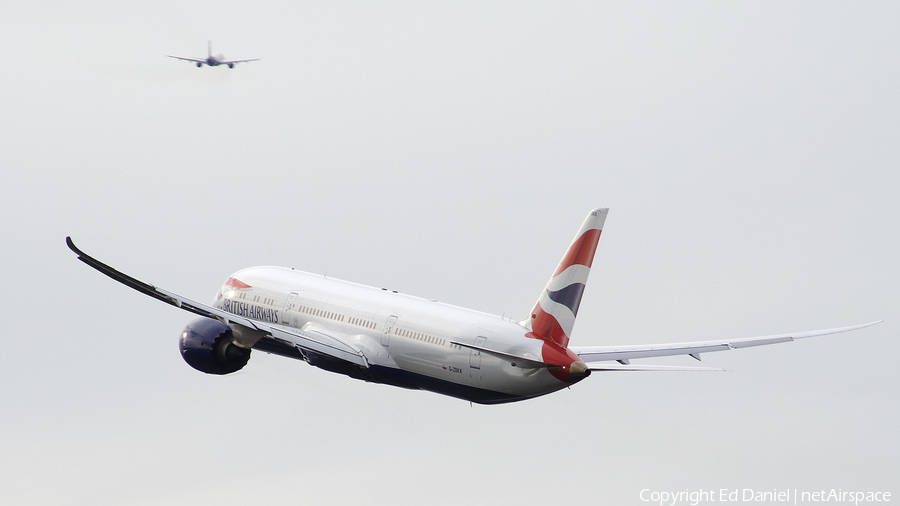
(748, 154)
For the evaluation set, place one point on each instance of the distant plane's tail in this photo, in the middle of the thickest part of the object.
(554, 313)
(209, 49)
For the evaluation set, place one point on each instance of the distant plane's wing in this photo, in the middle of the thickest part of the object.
(198, 60)
(226, 62)
(316, 342)
(625, 353)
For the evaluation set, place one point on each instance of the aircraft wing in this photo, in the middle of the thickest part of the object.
(226, 62)
(623, 354)
(317, 342)
(198, 60)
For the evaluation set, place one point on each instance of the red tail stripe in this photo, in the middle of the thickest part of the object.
(581, 252)
(554, 355)
(545, 326)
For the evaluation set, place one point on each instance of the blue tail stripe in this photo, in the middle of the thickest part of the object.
(569, 296)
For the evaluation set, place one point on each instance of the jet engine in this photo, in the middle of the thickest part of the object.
(208, 346)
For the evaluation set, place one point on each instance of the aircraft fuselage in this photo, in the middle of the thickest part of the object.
(408, 341)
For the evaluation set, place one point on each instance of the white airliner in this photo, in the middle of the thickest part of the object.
(211, 59)
(382, 336)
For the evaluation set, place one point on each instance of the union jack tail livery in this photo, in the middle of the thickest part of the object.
(554, 313)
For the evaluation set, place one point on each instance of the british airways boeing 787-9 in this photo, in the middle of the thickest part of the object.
(386, 337)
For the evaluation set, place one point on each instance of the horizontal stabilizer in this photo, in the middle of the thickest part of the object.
(601, 366)
(514, 360)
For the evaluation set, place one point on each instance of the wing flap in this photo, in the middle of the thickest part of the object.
(318, 341)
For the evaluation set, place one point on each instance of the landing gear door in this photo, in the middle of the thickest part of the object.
(388, 327)
(475, 356)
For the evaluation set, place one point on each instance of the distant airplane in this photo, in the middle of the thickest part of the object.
(382, 336)
(211, 59)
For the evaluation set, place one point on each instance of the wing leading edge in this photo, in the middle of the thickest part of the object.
(623, 354)
(319, 342)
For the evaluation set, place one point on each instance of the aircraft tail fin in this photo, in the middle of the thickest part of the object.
(209, 49)
(554, 313)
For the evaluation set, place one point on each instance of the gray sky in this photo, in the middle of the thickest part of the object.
(748, 155)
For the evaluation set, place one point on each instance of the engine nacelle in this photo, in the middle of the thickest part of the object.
(207, 345)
